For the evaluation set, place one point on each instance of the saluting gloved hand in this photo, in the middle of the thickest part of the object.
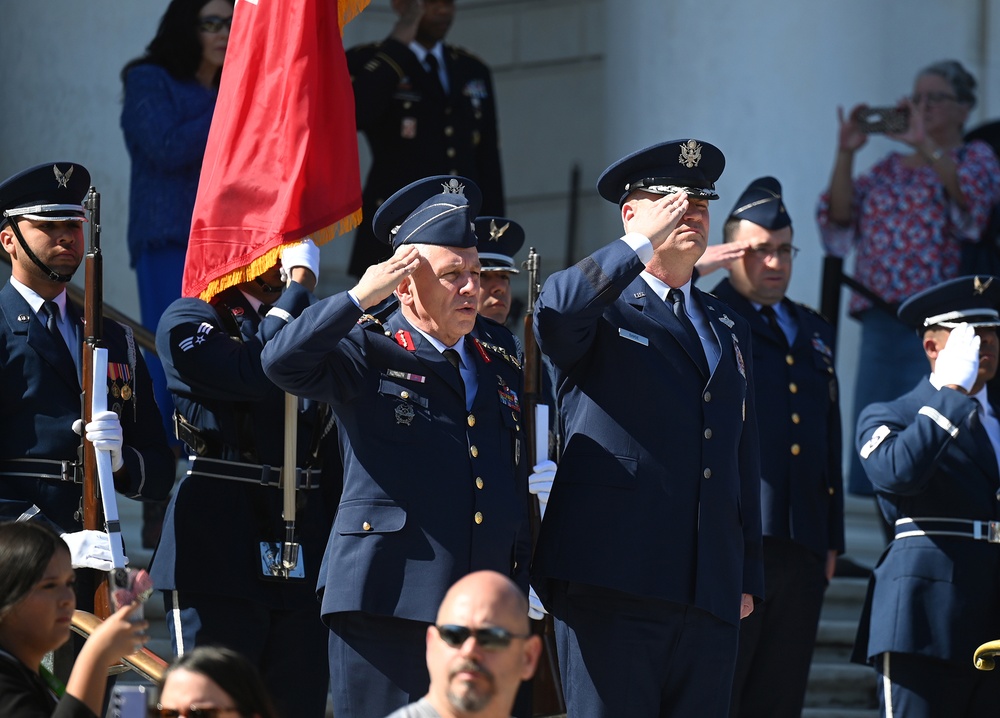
(540, 482)
(105, 432)
(958, 363)
(302, 254)
(89, 549)
(536, 611)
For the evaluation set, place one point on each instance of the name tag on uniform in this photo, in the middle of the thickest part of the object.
(632, 336)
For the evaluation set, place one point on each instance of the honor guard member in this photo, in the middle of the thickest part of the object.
(650, 544)
(798, 417)
(217, 561)
(428, 410)
(499, 240)
(426, 108)
(932, 457)
(41, 340)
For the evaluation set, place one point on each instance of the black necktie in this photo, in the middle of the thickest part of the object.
(771, 317)
(51, 310)
(432, 70)
(263, 309)
(695, 347)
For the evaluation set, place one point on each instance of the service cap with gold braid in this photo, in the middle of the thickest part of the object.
(49, 192)
(689, 165)
(434, 210)
(970, 300)
(499, 240)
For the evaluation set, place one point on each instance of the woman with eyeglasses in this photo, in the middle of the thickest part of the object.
(37, 601)
(906, 219)
(169, 98)
(211, 682)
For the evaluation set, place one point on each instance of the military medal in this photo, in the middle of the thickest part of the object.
(126, 392)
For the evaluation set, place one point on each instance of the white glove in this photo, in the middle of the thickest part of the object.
(540, 482)
(536, 611)
(301, 254)
(105, 432)
(89, 549)
(958, 363)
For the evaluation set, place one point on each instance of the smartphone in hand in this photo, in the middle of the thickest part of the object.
(884, 120)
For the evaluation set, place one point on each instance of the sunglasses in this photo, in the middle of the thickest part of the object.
(490, 639)
(214, 23)
(160, 712)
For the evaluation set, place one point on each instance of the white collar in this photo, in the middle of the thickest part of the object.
(35, 300)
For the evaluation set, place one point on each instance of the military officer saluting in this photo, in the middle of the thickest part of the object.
(427, 401)
(499, 240)
(798, 417)
(932, 457)
(650, 544)
(426, 108)
(41, 338)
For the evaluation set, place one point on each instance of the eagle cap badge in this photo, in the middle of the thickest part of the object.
(690, 154)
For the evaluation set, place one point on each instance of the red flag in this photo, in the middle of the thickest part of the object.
(282, 156)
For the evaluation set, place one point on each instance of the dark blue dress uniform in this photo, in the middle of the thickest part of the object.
(40, 382)
(654, 516)
(934, 595)
(432, 490)
(415, 131)
(208, 561)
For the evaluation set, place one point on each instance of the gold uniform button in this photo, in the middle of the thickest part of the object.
(708, 433)
(479, 517)
(407, 105)
(796, 450)
(449, 131)
(479, 482)
(793, 387)
(366, 526)
(796, 418)
(474, 451)
(707, 473)
(789, 359)
(708, 396)
(471, 419)
(450, 152)
(404, 394)
(831, 491)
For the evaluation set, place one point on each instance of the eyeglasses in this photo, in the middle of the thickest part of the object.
(490, 639)
(214, 23)
(160, 712)
(785, 251)
(933, 98)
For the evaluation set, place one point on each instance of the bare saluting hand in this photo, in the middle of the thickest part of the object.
(656, 218)
(410, 12)
(720, 256)
(380, 280)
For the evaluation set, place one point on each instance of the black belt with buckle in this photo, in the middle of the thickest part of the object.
(940, 526)
(260, 474)
(50, 469)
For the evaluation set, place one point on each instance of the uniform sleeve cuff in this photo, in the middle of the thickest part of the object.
(640, 244)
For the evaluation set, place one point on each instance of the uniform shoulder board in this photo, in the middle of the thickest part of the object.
(508, 355)
(814, 312)
(457, 51)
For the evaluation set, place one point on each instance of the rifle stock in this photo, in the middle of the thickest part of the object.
(547, 696)
(93, 515)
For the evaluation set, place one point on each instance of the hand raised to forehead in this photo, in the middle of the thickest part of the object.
(380, 280)
(656, 219)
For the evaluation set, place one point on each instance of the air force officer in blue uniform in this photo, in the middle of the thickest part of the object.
(428, 407)
(798, 416)
(650, 548)
(932, 454)
(41, 339)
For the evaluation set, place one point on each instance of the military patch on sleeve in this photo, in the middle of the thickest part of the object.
(878, 437)
(199, 337)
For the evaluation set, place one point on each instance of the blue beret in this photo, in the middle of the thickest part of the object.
(689, 165)
(761, 204)
(50, 191)
(434, 210)
(499, 240)
(973, 300)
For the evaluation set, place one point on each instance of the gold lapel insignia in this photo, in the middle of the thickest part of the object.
(690, 154)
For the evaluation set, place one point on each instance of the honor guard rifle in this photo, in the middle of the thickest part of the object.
(100, 507)
(547, 696)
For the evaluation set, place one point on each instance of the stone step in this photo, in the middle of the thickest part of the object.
(844, 599)
(841, 685)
